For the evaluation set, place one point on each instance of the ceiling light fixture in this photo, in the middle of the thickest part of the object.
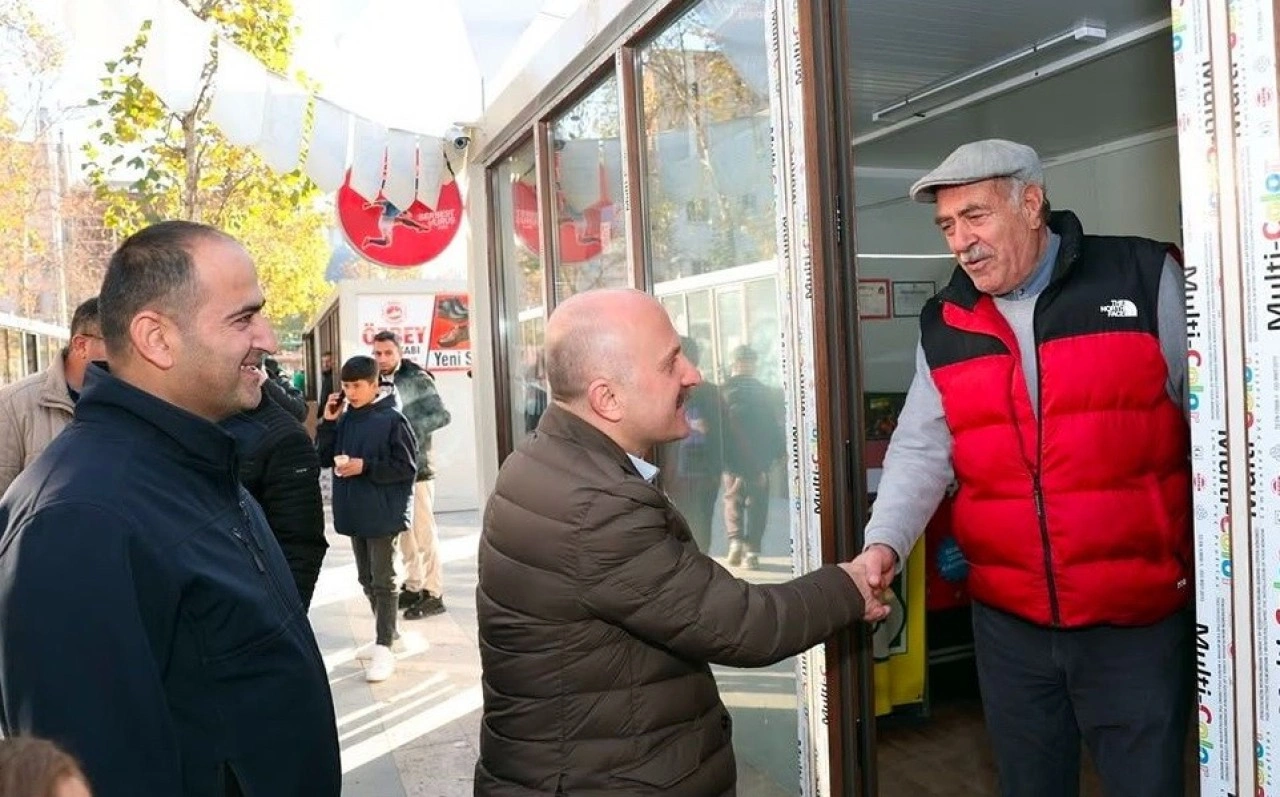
(1084, 30)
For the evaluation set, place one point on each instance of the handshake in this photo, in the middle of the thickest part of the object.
(872, 572)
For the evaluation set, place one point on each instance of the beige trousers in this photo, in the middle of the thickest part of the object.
(420, 544)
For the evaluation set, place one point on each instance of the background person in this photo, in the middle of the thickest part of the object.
(755, 441)
(372, 451)
(34, 410)
(280, 468)
(38, 768)
(417, 397)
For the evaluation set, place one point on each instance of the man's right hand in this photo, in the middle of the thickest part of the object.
(874, 609)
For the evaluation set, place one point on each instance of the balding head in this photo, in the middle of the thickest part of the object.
(614, 360)
(585, 339)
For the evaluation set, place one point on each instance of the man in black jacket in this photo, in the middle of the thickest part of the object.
(282, 392)
(279, 467)
(417, 398)
(178, 660)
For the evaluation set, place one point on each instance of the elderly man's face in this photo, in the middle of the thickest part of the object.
(222, 346)
(995, 238)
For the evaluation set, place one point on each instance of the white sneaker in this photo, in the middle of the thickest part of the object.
(365, 651)
(382, 666)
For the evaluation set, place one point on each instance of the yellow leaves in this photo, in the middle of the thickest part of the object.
(191, 171)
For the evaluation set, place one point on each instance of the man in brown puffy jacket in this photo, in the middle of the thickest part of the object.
(599, 617)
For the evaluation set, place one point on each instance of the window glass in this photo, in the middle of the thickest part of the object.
(519, 240)
(711, 222)
(591, 248)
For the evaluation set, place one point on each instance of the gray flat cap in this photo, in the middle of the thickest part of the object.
(978, 161)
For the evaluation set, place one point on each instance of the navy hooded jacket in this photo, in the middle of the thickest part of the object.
(148, 621)
(379, 501)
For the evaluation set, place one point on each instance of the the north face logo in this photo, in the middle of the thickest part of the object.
(1120, 308)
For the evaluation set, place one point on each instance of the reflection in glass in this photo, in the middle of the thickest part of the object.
(708, 141)
(590, 245)
(711, 227)
(519, 243)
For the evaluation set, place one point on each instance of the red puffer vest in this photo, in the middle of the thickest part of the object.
(1080, 516)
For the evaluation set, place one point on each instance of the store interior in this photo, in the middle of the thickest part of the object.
(1090, 86)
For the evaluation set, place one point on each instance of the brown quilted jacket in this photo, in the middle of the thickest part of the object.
(598, 620)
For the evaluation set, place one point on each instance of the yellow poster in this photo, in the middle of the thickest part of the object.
(898, 643)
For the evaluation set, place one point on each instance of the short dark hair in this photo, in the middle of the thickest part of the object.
(85, 317)
(387, 335)
(359, 369)
(151, 269)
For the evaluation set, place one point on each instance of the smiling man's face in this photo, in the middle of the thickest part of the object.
(995, 236)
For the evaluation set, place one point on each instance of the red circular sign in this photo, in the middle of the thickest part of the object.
(577, 240)
(384, 234)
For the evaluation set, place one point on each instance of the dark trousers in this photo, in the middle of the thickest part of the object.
(376, 569)
(746, 507)
(1126, 691)
(695, 497)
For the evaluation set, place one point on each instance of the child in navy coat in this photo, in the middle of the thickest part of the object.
(373, 453)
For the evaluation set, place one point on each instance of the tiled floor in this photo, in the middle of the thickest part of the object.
(415, 734)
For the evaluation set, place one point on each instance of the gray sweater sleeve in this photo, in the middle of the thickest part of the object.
(1171, 320)
(917, 468)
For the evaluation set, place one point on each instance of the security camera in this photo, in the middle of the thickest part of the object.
(460, 136)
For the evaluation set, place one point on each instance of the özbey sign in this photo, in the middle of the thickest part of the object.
(394, 237)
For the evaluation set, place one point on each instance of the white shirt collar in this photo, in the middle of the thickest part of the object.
(647, 471)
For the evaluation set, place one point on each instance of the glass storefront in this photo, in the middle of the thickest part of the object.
(683, 124)
(710, 214)
(704, 151)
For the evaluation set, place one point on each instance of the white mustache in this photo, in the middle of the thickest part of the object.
(975, 253)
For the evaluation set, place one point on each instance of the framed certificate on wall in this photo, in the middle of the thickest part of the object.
(873, 299)
(909, 297)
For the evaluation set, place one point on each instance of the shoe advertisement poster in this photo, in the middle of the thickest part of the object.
(434, 328)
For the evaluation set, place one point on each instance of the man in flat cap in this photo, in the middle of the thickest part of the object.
(1050, 386)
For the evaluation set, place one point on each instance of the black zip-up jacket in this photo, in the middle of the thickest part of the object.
(289, 398)
(148, 621)
(279, 467)
(417, 397)
(379, 501)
